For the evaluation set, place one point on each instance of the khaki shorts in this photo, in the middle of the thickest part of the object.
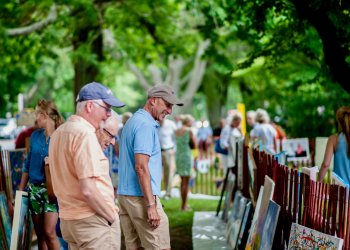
(91, 233)
(137, 231)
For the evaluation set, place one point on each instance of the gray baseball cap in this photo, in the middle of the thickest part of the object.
(95, 91)
(165, 92)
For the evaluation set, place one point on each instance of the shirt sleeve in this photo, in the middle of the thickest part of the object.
(225, 137)
(143, 140)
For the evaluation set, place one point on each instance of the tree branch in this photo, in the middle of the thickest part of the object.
(197, 73)
(143, 81)
(52, 16)
(156, 74)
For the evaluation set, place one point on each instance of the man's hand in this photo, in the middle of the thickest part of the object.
(153, 217)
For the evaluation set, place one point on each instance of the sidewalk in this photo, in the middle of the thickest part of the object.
(208, 232)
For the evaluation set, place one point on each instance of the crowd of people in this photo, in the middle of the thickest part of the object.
(94, 177)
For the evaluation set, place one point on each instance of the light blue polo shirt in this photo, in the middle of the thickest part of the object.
(139, 136)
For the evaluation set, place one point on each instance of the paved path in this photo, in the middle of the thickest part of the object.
(208, 232)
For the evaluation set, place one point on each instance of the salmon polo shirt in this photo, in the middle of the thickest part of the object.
(75, 154)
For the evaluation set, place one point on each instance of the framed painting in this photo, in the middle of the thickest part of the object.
(296, 149)
(252, 170)
(228, 197)
(16, 160)
(252, 231)
(306, 238)
(269, 226)
(244, 230)
(240, 163)
(22, 225)
(2, 172)
(236, 219)
(3, 241)
(7, 175)
(5, 218)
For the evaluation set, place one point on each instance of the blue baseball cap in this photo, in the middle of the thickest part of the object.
(95, 91)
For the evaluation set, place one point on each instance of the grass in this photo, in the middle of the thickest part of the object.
(181, 222)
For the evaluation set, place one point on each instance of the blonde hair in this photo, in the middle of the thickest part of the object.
(49, 108)
(262, 116)
(343, 119)
(187, 119)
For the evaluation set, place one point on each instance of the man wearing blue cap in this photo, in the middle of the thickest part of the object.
(142, 217)
(80, 174)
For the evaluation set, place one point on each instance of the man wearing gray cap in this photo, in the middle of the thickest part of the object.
(142, 217)
(80, 174)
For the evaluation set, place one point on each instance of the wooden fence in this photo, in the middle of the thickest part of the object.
(209, 183)
(320, 206)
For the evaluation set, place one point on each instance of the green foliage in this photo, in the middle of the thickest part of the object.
(266, 54)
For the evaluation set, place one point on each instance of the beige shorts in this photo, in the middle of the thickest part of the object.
(137, 231)
(91, 233)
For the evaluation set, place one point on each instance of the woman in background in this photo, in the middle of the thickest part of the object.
(184, 159)
(44, 213)
(339, 145)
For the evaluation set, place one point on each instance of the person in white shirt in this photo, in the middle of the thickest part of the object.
(166, 134)
(264, 131)
(251, 114)
(232, 129)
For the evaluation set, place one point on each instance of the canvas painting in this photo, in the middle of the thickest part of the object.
(235, 221)
(243, 231)
(22, 226)
(16, 160)
(228, 196)
(233, 212)
(7, 175)
(5, 218)
(240, 163)
(252, 231)
(296, 149)
(306, 238)
(269, 227)
(2, 173)
(251, 168)
(269, 187)
(3, 241)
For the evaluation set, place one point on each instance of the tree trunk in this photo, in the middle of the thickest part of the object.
(86, 68)
(334, 52)
(215, 88)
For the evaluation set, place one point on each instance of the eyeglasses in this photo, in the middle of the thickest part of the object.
(108, 110)
(110, 135)
(167, 104)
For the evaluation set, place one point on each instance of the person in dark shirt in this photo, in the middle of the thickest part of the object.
(24, 135)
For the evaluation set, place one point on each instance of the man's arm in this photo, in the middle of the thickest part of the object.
(94, 199)
(141, 166)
